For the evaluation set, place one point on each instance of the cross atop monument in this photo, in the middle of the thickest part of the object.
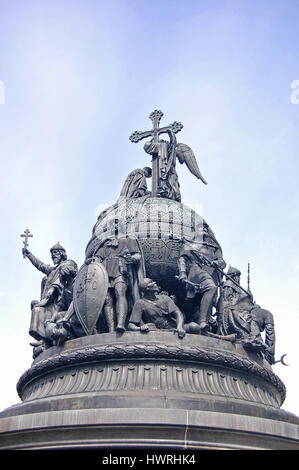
(154, 133)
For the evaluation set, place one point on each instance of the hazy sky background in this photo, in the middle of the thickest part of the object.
(80, 76)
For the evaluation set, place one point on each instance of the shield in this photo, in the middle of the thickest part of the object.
(89, 294)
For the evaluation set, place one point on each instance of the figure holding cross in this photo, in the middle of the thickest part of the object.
(56, 293)
(164, 153)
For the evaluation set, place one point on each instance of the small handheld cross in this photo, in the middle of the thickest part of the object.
(26, 235)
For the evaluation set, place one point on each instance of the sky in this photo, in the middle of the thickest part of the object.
(77, 78)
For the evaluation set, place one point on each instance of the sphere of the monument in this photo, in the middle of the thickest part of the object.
(160, 225)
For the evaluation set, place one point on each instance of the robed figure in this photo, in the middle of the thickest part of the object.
(135, 184)
(56, 291)
(164, 154)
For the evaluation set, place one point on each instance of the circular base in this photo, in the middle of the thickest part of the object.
(149, 390)
(146, 428)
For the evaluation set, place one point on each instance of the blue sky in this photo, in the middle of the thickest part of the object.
(80, 77)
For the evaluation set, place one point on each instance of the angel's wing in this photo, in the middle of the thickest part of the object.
(185, 155)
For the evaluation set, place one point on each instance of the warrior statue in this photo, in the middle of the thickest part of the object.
(232, 293)
(56, 293)
(200, 258)
(155, 311)
(122, 259)
(242, 316)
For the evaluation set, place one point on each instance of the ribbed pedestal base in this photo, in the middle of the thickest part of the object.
(149, 390)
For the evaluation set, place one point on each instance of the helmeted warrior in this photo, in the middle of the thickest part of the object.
(198, 262)
(56, 291)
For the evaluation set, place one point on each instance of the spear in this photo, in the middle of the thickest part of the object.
(214, 265)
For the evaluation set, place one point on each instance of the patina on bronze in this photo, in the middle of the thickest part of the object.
(153, 342)
(26, 235)
(165, 181)
(150, 235)
(89, 293)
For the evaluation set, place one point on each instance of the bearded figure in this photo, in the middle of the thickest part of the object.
(56, 293)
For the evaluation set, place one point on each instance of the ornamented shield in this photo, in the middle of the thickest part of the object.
(89, 294)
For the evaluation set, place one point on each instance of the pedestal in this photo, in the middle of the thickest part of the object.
(151, 391)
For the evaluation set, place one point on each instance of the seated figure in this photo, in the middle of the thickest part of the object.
(155, 311)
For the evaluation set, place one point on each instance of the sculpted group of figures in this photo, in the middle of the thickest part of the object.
(214, 303)
(111, 291)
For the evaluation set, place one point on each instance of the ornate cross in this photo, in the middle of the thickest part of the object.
(175, 127)
(26, 235)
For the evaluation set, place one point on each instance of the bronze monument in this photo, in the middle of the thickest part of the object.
(153, 342)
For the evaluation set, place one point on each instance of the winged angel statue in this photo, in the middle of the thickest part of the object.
(165, 181)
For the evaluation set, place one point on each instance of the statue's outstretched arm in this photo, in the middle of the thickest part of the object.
(44, 268)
